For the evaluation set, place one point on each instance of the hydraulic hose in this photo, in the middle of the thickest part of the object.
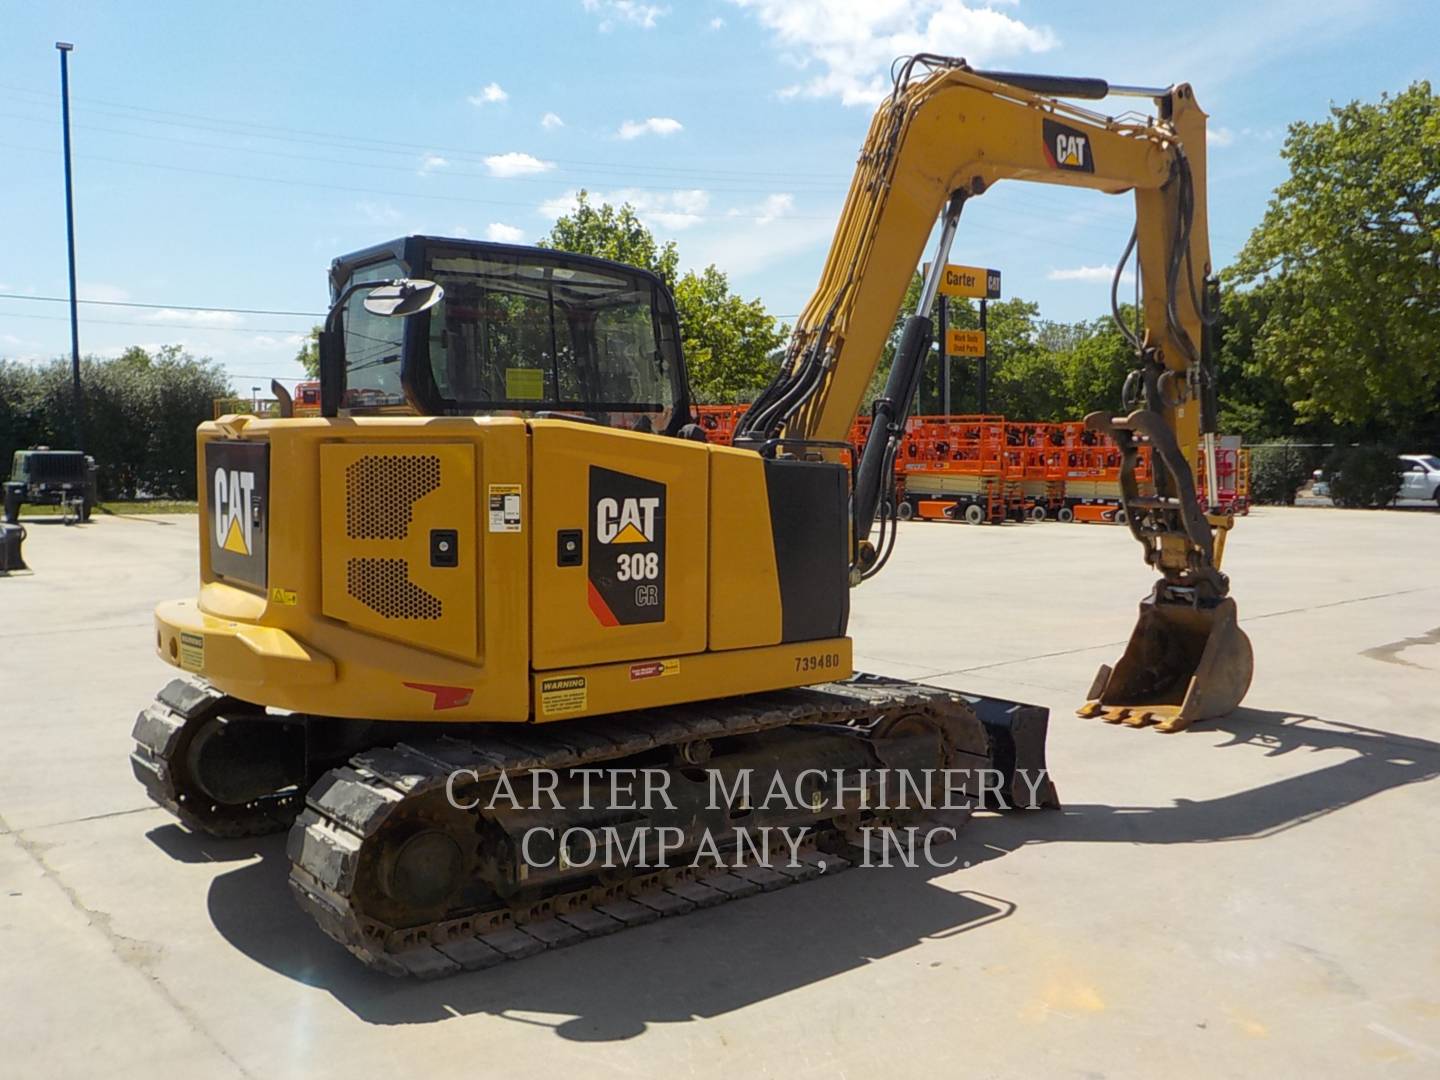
(890, 412)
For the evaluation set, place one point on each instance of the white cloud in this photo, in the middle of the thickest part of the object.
(717, 23)
(491, 95)
(775, 206)
(504, 234)
(432, 163)
(194, 318)
(273, 341)
(550, 122)
(852, 42)
(1088, 273)
(1268, 37)
(378, 213)
(514, 163)
(743, 247)
(99, 290)
(656, 125)
(625, 11)
(669, 210)
(1219, 136)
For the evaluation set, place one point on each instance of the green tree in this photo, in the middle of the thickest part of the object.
(1095, 365)
(21, 421)
(182, 389)
(615, 234)
(1277, 470)
(1348, 258)
(1254, 402)
(1364, 476)
(1022, 375)
(1025, 377)
(141, 411)
(728, 341)
(308, 355)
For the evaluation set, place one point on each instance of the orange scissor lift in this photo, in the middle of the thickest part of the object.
(1038, 451)
(960, 468)
(718, 421)
(1092, 480)
(983, 468)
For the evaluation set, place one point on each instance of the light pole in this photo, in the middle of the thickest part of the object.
(64, 47)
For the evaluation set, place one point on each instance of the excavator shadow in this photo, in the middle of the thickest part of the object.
(187, 847)
(713, 962)
(1355, 763)
(704, 964)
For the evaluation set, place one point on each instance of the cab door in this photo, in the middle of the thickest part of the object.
(619, 545)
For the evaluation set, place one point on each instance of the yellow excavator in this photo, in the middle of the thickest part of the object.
(505, 551)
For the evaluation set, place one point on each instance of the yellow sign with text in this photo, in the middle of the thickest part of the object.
(566, 694)
(965, 343)
(974, 282)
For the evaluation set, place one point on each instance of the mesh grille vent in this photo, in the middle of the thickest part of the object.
(381, 491)
(384, 586)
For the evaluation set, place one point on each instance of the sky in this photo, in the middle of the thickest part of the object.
(224, 154)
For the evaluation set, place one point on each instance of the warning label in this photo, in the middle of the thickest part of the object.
(565, 694)
(504, 507)
(654, 669)
(524, 383)
(192, 652)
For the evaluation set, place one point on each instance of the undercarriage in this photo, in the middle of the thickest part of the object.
(426, 849)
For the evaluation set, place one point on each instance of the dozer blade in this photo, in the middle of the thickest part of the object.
(1183, 664)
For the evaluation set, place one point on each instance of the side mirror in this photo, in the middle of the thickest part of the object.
(390, 299)
(406, 296)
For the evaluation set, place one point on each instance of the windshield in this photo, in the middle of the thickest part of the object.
(524, 332)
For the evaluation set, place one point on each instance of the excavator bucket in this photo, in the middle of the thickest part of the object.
(1183, 664)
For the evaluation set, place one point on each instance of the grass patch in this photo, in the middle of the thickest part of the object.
(121, 509)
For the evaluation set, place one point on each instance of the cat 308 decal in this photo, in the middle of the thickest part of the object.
(627, 548)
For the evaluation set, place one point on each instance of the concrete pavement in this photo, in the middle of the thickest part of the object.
(1254, 895)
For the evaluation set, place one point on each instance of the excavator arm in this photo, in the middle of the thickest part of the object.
(945, 136)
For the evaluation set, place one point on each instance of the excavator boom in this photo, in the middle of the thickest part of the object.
(944, 137)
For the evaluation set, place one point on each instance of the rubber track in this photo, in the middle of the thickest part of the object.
(352, 803)
(158, 763)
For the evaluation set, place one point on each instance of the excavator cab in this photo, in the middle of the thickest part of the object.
(517, 331)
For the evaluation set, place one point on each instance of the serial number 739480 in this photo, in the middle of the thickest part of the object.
(817, 661)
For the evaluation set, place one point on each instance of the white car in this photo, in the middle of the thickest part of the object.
(1420, 477)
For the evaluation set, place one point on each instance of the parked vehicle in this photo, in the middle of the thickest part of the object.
(1420, 477)
(50, 477)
